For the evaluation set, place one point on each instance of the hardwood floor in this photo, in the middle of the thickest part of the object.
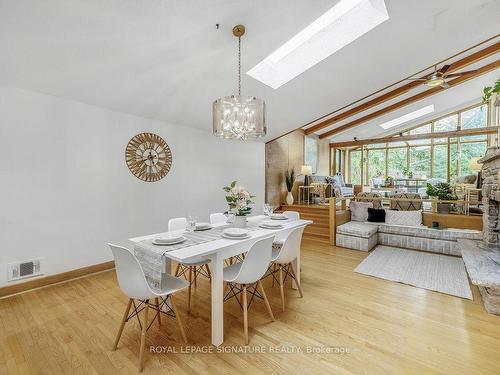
(388, 328)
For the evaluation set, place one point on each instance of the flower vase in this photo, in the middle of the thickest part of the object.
(240, 221)
(289, 198)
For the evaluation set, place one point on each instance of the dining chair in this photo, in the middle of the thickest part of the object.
(192, 268)
(282, 261)
(218, 218)
(243, 278)
(133, 283)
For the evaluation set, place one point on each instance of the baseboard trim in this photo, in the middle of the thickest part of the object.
(54, 279)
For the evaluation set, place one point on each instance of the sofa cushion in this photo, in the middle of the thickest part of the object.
(376, 215)
(357, 229)
(359, 210)
(410, 218)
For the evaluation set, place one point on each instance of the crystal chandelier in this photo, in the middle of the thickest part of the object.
(236, 116)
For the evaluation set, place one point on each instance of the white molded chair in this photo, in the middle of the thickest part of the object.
(283, 258)
(279, 239)
(218, 218)
(134, 284)
(192, 268)
(245, 276)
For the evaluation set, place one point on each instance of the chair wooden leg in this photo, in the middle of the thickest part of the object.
(296, 281)
(195, 277)
(208, 272)
(177, 269)
(122, 325)
(143, 336)
(189, 287)
(178, 319)
(159, 313)
(266, 301)
(273, 268)
(245, 312)
(282, 289)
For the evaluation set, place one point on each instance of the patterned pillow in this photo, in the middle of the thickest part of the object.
(359, 210)
(408, 218)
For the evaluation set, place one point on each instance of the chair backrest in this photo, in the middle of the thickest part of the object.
(178, 223)
(291, 247)
(129, 273)
(375, 198)
(292, 215)
(413, 205)
(218, 218)
(256, 262)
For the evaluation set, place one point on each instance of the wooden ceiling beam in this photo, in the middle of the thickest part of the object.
(412, 99)
(416, 137)
(457, 65)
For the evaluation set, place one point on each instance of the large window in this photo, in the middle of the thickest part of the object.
(420, 161)
(444, 158)
(355, 166)
(376, 164)
(397, 159)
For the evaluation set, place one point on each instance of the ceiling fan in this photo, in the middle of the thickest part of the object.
(439, 77)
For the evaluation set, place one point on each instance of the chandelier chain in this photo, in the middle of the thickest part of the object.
(239, 66)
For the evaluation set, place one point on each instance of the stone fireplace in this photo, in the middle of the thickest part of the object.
(482, 258)
(490, 173)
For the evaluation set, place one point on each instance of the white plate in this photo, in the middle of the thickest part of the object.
(236, 238)
(235, 232)
(168, 238)
(155, 242)
(271, 226)
(203, 226)
(278, 217)
(269, 223)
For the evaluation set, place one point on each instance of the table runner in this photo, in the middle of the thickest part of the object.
(151, 257)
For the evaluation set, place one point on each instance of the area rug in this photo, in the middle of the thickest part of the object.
(441, 273)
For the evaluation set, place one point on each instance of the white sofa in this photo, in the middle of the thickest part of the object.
(365, 236)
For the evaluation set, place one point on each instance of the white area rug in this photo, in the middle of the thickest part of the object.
(442, 273)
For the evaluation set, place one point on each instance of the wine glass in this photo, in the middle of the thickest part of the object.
(191, 223)
(267, 209)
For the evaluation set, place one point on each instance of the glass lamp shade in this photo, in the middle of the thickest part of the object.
(239, 117)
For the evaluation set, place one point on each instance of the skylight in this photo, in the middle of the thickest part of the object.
(339, 26)
(408, 117)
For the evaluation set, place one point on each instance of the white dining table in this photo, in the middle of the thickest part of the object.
(217, 251)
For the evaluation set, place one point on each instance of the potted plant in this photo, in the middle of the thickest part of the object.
(389, 182)
(444, 193)
(492, 92)
(407, 172)
(239, 201)
(432, 194)
(289, 181)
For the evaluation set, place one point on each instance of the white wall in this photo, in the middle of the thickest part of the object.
(66, 190)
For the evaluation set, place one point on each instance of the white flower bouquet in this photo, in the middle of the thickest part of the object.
(238, 199)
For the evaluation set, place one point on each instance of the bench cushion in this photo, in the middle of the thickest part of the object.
(357, 229)
(425, 232)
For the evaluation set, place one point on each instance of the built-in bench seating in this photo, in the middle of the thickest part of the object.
(365, 236)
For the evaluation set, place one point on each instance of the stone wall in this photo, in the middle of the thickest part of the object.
(491, 194)
(284, 153)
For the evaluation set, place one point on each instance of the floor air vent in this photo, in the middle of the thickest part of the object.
(22, 270)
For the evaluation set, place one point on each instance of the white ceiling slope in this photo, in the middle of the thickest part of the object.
(165, 59)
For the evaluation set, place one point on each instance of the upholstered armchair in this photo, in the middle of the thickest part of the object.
(338, 181)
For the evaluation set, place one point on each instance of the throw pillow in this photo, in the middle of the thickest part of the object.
(376, 215)
(408, 218)
(359, 210)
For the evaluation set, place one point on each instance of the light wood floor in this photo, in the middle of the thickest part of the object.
(389, 328)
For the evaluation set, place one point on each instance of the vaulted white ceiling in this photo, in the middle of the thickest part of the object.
(165, 59)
